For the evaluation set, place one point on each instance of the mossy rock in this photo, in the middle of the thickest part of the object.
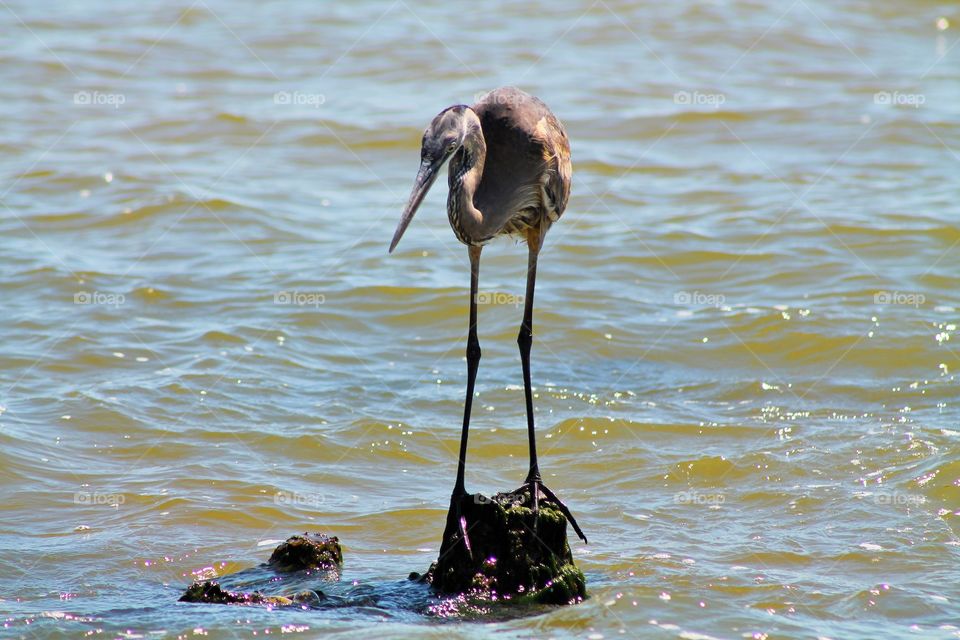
(510, 557)
(309, 551)
(210, 592)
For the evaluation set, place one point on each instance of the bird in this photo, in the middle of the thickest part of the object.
(509, 175)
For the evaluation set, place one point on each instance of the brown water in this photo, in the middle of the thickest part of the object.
(745, 378)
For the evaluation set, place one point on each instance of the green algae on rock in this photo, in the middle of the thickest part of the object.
(510, 557)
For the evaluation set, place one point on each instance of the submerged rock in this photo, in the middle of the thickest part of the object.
(212, 593)
(309, 551)
(510, 557)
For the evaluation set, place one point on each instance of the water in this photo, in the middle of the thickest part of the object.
(744, 371)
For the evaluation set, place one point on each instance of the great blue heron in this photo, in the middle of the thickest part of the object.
(509, 175)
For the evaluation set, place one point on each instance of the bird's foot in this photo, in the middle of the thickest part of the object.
(456, 500)
(536, 486)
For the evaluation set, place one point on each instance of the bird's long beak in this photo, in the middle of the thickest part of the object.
(425, 177)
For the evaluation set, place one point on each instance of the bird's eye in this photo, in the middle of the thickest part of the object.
(452, 147)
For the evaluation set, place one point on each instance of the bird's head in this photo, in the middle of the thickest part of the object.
(441, 139)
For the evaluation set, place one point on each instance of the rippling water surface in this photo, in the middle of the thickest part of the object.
(744, 358)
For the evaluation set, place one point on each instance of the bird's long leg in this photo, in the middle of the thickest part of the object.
(473, 362)
(525, 341)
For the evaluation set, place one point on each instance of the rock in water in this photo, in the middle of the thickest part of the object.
(508, 558)
(309, 551)
(212, 593)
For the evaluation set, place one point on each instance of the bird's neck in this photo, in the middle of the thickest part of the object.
(466, 170)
